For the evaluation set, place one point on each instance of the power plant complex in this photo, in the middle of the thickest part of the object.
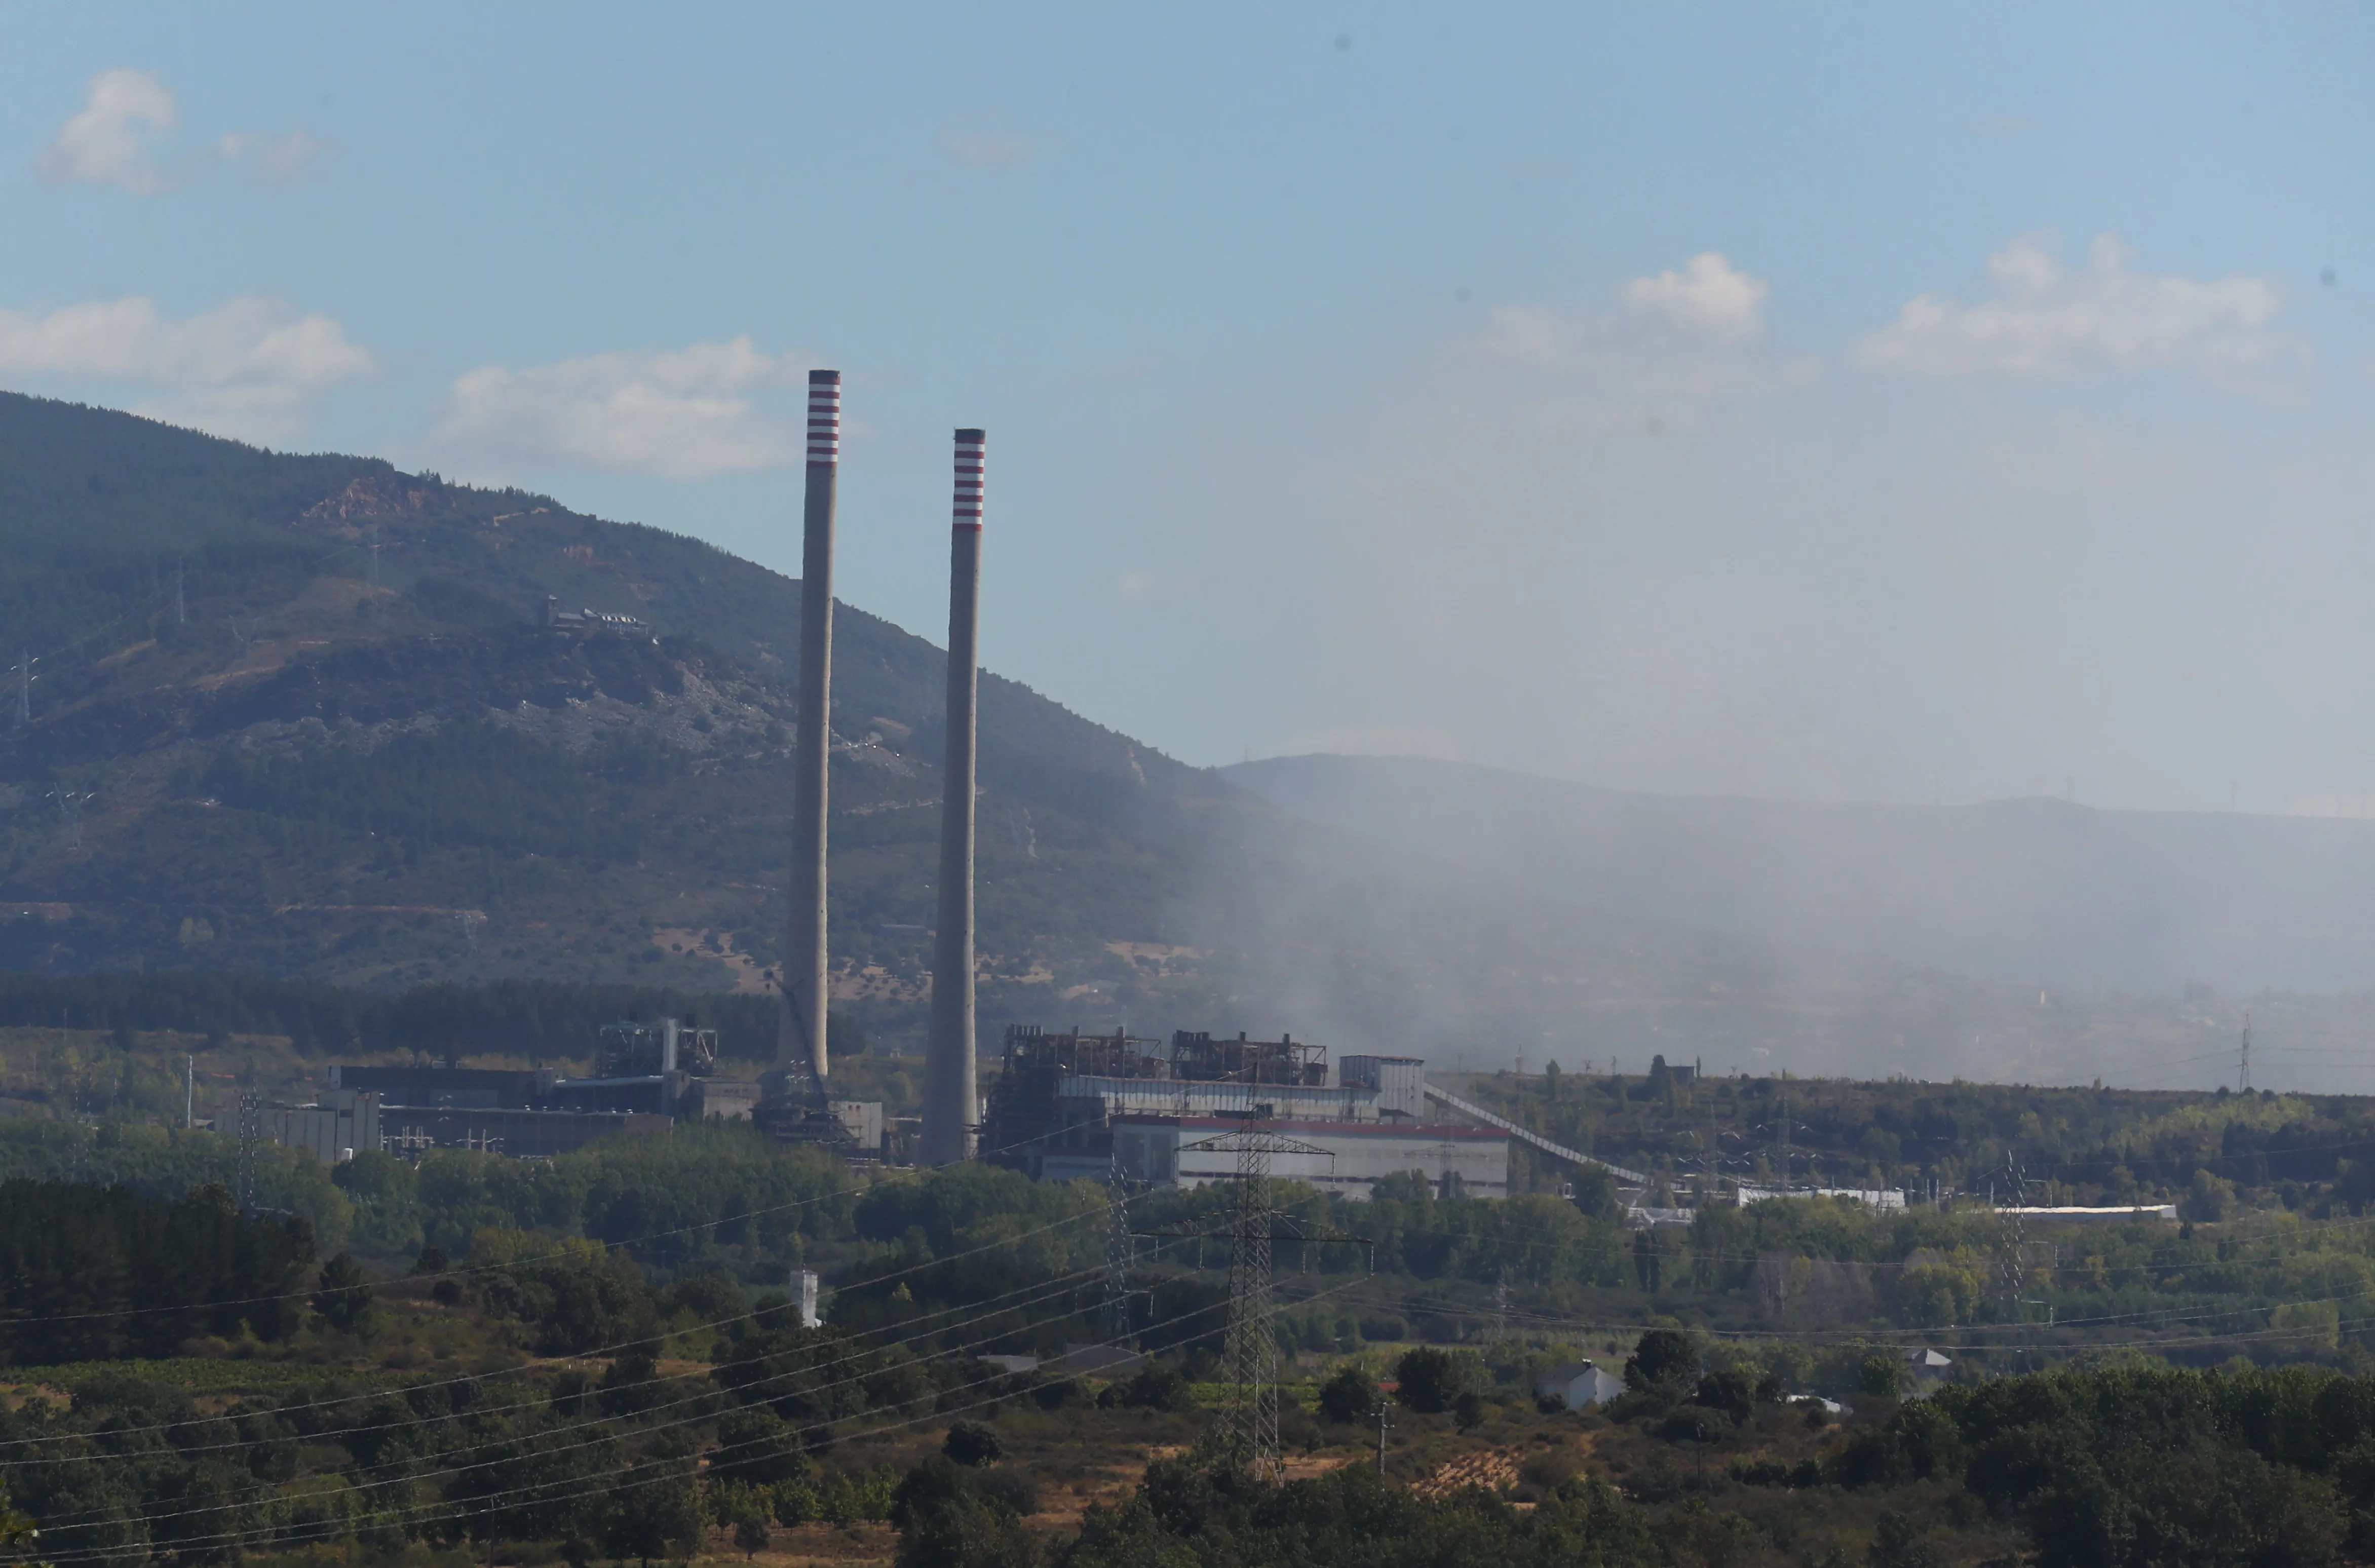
(1062, 1106)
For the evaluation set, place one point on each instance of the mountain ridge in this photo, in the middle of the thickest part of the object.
(2032, 891)
(253, 746)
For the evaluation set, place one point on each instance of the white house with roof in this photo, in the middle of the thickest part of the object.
(1581, 1385)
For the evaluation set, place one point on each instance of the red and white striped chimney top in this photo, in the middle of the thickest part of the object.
(825, 417)
(970, 461)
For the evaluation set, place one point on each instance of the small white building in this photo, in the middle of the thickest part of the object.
(1581, 1385)
(1344, 1156)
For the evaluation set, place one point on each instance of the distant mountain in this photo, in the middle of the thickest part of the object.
(2037, 892)
(301, 716)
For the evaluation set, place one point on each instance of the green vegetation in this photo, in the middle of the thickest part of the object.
(539, 1357)
(92, 1273)
(2303, 1152)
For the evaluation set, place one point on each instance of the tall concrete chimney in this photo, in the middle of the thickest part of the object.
(801, 1041)
(950, 1105)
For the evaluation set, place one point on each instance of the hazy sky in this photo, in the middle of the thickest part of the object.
(1838, 402)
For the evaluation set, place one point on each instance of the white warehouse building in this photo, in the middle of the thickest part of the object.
(1345, 1157)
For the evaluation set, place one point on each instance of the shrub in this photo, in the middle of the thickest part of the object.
(1156, 1387)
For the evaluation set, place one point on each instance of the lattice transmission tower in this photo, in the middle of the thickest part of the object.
(1121, 1252)
(1252, 1350)
(251, 1132)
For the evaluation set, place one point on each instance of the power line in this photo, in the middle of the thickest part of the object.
(608, 1485)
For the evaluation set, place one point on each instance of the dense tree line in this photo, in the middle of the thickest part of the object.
(550, 1020)
(92, 1273)
(719, 1197)
(2078, 1144)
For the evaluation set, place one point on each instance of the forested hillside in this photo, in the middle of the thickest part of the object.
(299, 717)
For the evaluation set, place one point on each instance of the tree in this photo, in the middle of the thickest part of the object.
(1428, 1380)
(750, 1535)
(1880, 1376)
(1900, 1543)
(757, 1445)
(654, 1513)
(1648, 1267)
(972, 1443)
(1732, 1391)
(17, 1532)
(2208, 1200)
(949, 1518)
(1663, 1362)
(1467, 1410)
(1349, 1395)
(343, 1296)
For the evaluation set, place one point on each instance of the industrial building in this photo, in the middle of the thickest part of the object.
(1067, 1105)
(646, 1077)
(1344, 1156)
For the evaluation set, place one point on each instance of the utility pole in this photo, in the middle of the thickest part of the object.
(2243, 1066)
(189, 1093)
(181, 606)
(1382, 1408)
(1501, 1306)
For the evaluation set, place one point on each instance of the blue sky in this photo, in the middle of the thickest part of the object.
(1832, 401)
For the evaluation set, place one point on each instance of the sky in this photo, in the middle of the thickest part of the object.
(1838, 403)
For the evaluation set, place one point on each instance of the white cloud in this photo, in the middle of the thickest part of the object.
(250, 368)
(106, 141)
(683, 413)
(275, 160)
(2047, 320)
(110, 141)
(1693, 317)
(1709, 295)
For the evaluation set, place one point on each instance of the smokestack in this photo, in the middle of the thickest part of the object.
(949, 1095)
(802, 1038)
